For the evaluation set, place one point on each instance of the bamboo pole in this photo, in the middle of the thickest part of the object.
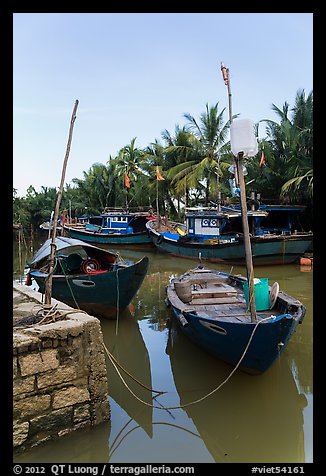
(48, 286)
(245, 228)
(49, 232)
(226, 77)
(239, 177)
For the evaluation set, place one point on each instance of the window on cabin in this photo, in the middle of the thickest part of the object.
(191, 225)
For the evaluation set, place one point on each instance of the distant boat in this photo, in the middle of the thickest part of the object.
(279, 219)
(212, 310)
(212, 235)
(114, 227)
(87, 277)
(47, 225)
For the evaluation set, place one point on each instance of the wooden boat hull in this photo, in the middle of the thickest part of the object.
(227, 341)
(212, 311)
(281, 249)
(87, 277)
(140, 238)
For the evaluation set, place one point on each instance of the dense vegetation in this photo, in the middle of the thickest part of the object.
(194, 162)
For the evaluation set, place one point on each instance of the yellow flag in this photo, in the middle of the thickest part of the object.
(158, 175)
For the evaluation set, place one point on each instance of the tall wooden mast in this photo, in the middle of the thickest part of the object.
(48, 286)
(244, 211)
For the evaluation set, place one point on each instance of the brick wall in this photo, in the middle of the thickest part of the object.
(59, 375)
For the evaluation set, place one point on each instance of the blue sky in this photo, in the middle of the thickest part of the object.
(136, 74)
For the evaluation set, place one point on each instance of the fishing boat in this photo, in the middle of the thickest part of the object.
(87, 277)
(212, 309)
(113, 227)
(243, 321)
(217, 236)
(279, 219)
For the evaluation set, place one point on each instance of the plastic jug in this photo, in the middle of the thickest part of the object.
(243, 138)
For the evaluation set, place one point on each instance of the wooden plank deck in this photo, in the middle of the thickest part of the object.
(215, 300)
(219, 291)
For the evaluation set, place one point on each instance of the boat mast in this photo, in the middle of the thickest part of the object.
(48, 285)
(244, 211)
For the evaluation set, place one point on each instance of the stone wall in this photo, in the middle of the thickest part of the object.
(59, 374)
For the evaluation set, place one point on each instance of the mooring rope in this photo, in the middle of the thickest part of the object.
(51, 312)
(118, 301)
(116, 365)
(112, 450)
(126, 371)
(203, 397)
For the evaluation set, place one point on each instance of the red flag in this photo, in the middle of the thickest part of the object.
(127, 181)
(158, 175)
(262, 160)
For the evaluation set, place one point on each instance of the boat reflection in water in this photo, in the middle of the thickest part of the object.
(124, 341)
(251, 419)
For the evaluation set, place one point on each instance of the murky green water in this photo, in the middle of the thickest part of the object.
(266, 418)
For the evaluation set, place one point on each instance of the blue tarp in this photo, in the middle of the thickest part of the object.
(172, 236)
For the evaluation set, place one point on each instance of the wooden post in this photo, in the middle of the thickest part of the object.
(245, 227)
(226, 77)
(51, 217)
(31, 238)
(157, 201)
(48, 286)
(20, 230)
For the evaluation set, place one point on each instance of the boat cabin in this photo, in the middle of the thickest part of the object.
(281, 219)
(116, 222)
(277, 219)
(210, 224)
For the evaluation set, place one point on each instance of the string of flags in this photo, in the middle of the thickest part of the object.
(158, 177)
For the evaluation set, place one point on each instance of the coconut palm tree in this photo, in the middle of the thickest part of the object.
(291, 145)
(206, 154)
(94, 187)
(129, 163)
(160, 191)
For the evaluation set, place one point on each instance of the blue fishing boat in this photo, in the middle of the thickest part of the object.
(87, 277)
(113, 227)
(242, 321)
(216, 236)
(212, 309)
(279, 219)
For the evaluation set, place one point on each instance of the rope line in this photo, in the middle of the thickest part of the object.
(118, 301)
(199, 399)
(112, 450)
(53, 311)
(48, 312)
(126, 371)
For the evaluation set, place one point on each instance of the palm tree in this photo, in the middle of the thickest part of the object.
(204, 156)
(291, 145)
(160, 192)
(129, 162)
(94, 188)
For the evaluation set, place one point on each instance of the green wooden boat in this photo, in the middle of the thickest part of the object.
(87, 277)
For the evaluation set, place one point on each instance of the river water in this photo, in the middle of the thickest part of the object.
(250, 419)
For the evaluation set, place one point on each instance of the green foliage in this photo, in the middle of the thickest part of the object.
(194, 162)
